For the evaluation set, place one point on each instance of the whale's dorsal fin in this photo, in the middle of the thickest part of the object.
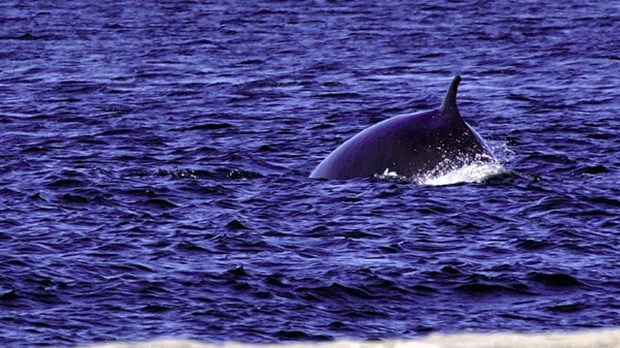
(449, 102)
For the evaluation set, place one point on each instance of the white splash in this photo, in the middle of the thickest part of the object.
(389, 174)
(446, 174)
(472, 173)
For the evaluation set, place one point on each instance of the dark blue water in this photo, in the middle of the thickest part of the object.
(154, 160)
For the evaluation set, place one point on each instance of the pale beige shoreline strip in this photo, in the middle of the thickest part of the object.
(600, 338)
(176, 343)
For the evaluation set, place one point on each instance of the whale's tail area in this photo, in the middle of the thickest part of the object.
(449, 102)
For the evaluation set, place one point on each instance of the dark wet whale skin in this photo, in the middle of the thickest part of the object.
(411, 145)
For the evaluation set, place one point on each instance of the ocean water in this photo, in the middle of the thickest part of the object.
(154, 162)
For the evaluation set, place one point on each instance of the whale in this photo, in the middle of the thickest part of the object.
(411, 145)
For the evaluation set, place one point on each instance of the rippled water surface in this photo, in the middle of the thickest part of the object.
(154, 162)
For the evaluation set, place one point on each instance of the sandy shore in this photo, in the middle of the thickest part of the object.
(601, 338)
